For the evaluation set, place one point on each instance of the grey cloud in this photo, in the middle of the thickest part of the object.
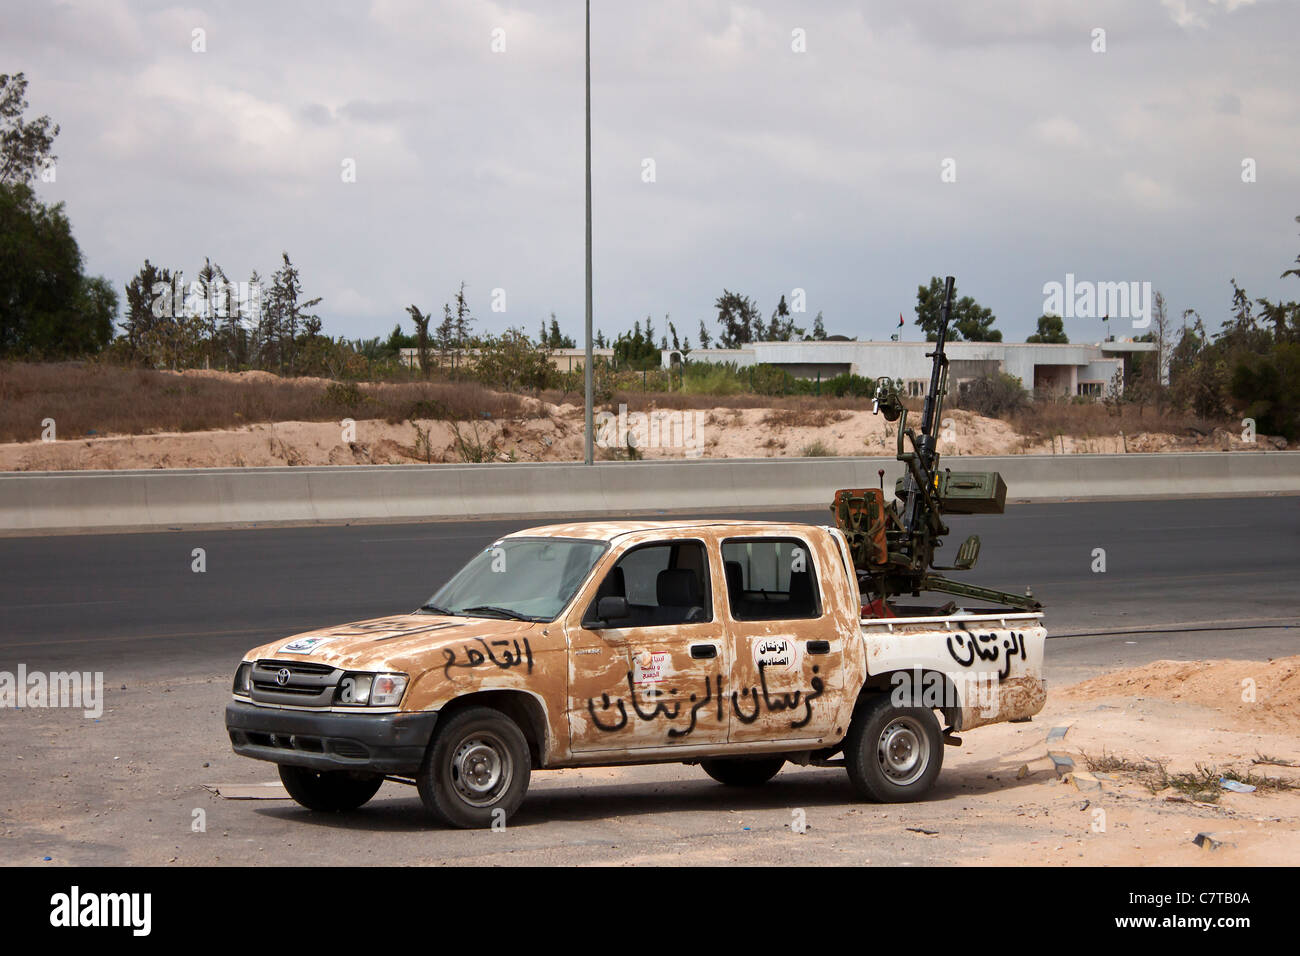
(775, 170)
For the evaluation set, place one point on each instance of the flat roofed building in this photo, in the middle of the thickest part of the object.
(1046, 368)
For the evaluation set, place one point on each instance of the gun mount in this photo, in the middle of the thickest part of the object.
(893, 545)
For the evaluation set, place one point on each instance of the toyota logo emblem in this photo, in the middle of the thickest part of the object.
(282, 676)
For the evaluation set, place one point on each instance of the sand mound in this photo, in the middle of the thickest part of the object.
(1263, 695)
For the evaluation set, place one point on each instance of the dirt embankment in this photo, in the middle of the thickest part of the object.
(517, 428)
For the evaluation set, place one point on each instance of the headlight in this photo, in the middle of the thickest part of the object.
(372, 690)
(243, 675)
(355, 689)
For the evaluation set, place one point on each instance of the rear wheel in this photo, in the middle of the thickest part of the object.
(331, 791)
(743, 773)
(893, 754)
(476, 772)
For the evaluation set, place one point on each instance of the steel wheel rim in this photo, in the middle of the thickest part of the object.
(903, 750)
(481, 769)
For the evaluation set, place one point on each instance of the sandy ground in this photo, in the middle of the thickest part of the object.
(1134, 735)
(128, 789)
(557, 436)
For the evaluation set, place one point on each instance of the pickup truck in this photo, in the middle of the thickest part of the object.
(736, 645)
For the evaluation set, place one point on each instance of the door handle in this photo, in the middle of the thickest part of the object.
(819, 647)
(704, 651)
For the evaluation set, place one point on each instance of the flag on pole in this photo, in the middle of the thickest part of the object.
(900, 320)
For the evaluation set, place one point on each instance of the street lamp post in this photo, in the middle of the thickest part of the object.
(588, 416)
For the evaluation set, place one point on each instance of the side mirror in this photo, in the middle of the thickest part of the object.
(611, 608)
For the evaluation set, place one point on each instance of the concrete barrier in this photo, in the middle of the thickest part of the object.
(39, 502)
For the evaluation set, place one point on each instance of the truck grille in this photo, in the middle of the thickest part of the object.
(298, 683)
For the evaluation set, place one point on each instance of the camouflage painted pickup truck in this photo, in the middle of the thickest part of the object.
(739, 646)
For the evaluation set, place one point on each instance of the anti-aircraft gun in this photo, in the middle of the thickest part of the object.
(893, 545)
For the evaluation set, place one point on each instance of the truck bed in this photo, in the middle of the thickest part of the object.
(978, 667)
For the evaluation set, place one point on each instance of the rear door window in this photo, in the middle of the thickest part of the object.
(770, 579)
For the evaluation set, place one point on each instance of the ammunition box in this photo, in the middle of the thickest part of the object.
(972, 492)
(967, 492)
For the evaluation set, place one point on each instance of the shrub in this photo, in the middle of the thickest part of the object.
(817, 449)
(994, 396)
(1267, 389)
(848, 384)
(343, 396)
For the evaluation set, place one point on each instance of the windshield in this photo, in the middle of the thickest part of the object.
(527, 578)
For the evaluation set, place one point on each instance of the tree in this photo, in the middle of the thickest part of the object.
(818, 330)
(1266, 387)
(969, 320)
(461, 324)
(553, 338)
(24, 147)
(1196, 373)
(706, 341)
(739, 318)
(398, 340)
(147, 304)
(1051, 329)
(256, 309)
(444, 338)
(511, 360)
(48, 307)
(781, 328)
(287, 316)
(421, 321)
(211, 282)
(636, 350)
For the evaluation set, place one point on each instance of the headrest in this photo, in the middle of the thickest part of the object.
(735, 577)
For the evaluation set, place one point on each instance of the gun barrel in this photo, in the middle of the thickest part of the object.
(926, 441)
(936, 372)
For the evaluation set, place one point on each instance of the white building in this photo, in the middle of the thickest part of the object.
(1050, 369)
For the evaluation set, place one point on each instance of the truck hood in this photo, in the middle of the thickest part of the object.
(406, 643)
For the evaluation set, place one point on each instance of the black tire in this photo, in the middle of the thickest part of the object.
(330, 791)
(477, 766)
(893, 754)
(743, 773)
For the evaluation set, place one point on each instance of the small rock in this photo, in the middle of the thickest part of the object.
(1208, 841)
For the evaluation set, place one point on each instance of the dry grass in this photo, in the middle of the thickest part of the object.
(804, 417)
(1044, 419)
(96, 399)
(1202, 784)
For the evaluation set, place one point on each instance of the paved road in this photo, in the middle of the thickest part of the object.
(133, 599)
(124, 789)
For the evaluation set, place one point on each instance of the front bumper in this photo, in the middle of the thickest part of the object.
(384, 743)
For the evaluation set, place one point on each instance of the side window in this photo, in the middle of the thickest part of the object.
(664, 584)
(770, 579)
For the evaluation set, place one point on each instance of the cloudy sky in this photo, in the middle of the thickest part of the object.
(774, 168)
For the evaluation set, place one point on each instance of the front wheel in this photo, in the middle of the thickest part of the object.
(331, 791)
(476, 772)
(893, 754)
(743, 773)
